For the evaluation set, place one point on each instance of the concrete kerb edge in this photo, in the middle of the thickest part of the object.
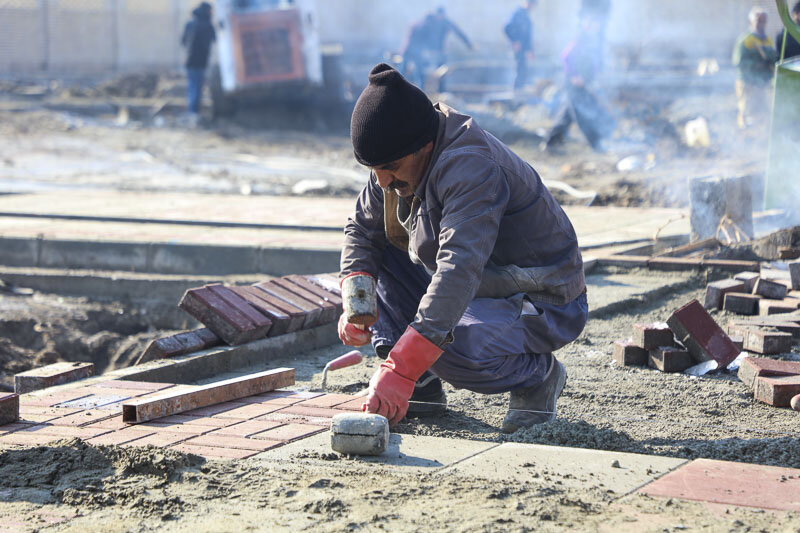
(623, 305)
(165, 258)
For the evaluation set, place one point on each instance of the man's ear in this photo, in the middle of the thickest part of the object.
(428, 148)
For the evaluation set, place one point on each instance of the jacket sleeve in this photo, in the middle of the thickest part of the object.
(459, 33)
(473, 194)
(512, 28)
(364, 233)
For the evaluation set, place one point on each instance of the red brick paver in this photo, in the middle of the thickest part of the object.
(119, 437)
(327, 400)
(238, 443)
(353, 405)
(746, 485)
(145, 386)
(160, 439)
(196, 421)
(253, 410)
(290, 432)
(247, 428)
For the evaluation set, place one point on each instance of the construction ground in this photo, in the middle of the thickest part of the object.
(114, 207)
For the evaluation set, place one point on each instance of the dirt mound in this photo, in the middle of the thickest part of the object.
(578, 434)
(75, 473)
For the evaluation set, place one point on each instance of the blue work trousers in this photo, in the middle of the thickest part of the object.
(196, 78)
(496, 347)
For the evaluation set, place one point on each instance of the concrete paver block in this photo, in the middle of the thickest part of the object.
(669, 359)
(777, 307)
(715, 292)
(649, 336)
(770, 289)
(51, 375)
(311, 311)
(794, 273)
(289, 432)
(767, 342)
(748, 278)
(628, 354)
(701, 335)
(740, 303)
(249, 411)
(413, 453)
(297, 316)
(223, 318)
(327, 400)
(161, 439)
(282, 322)
(741, 484)
(753, 367)
(53, 399)
(333, 297)
(329, 313)
(247, 428)
(9, 408)
(238, 443)
(179, 344)
(573, 467)
(776, 391)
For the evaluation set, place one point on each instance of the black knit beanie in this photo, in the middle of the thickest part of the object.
(392, 119)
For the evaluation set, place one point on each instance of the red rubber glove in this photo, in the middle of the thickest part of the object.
(392, 385)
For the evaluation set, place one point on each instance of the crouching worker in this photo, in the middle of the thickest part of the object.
(476, 268)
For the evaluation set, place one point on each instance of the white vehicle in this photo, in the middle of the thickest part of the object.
(269, 52)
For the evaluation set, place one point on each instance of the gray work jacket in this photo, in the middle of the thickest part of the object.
(481, 222)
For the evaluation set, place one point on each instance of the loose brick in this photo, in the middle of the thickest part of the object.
(247, 428)
(715, 292)
(701, 335)
(329, 311)
(237, 443)
(9, 408)
(282, 322)
(51, 375)
(210, 452)
(669, 359)
(767, 342)
(741, 303)
(311, 311)
(794, 273)
(788, 252)
(296, 316)
(776, 321)
(770, 289)
(627, 354)
(241, 305)
(328, 295)
(753, 367)
(179, 344)
(649, 336)
(749, 279)
(289, 432)
(221, 317)
(160, 439)
(329, 282)
(327, 400)
(775, 391)
(738, 340)
(777, 307)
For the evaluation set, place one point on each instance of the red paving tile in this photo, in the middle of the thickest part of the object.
(69, 432)
(310, 411)
(94, 401)
(18, 426)
(247, 412)
(38, 410)
(288, 397)
(287, 418)
(160, 439)
(37, 419)
(110, 423)
(238, 443)
(84, 417)
(327, 400)
(25, 438)
(290, 432)
(52, 399)
(216, 453)
(213, 409)
(723, 482)
(119, 437)
(185, 429)
(197, 421)
(247, 428)
(137, 385)
(353, 405)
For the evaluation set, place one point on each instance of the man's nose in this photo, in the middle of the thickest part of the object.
(384, 178)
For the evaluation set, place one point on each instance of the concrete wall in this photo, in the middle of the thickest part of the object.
(105, 35)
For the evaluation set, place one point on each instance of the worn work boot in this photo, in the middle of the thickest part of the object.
(536, 404)
(428, 398)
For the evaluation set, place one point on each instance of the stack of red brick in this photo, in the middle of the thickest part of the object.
(774, 382)
(690, 336)
(240, 314)
(747, 293)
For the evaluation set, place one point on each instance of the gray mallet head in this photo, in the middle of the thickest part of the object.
(359, 434)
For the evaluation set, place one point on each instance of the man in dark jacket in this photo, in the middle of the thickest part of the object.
(477, 270)
(519, 31)
(425, 47)
(198, 36)
(792, 46)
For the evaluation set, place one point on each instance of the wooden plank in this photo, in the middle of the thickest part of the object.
(170, 403)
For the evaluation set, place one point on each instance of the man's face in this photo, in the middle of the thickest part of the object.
(761, 22)
(796, 17)
(404, 174)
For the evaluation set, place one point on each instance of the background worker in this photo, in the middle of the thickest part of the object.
(478, 274)
(754, 56)
(198, 36)
(425, 47)
(519, 31)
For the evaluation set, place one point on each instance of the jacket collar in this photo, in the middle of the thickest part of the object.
(438, 148)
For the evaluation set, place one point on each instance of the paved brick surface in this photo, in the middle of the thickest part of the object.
(51, 375)
(83, 418)
(94, 401)
(247, 428)
(289, 418)
(289, 397)
(25, 438)
(746, 485)
(289, 432)
(18, 426)
(353, 405)
(110, 423)
(68, 432)
(309, 411)
(237, 443)
(119, 437)
(328, 400)
(50, 400)
(184, 429)
(196, 421)
(212, 410)
(253, 410)
(216, 453)
(137, 385)
(160, 439)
